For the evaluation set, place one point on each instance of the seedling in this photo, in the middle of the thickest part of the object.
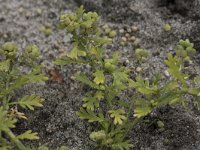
(185, 50)
(12, 78)
(108, 80)
(46, 29)
(141, 54)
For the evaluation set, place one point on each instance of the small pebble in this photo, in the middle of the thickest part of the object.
(28, 14)
(136, 42)
(122, 43)
(39, 12)
(127, 35)
(107, 30)
(129, 30)
(124, 39)
(121, 31)
(21, 9)
(132, 38)
(166, 73)
(138, 69)
(134, 28)
(126, 62)
(105, 26)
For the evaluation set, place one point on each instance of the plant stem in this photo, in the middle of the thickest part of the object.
(13, 138)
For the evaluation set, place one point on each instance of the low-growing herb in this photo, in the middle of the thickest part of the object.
(13, 77)
(112, 114)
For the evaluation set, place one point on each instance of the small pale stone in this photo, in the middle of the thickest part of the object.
(122, 43)
(129, 30)
(121, 31)
(21, 9)
(124, 39)
(136, 42)
(134, 28)
(138, 69)
(107, 30)
(127, 35)
(105, 26)
(132, 38)
(166, 73)
(126, 61)
(39, 11)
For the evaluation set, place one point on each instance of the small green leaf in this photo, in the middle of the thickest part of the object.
(30, 102)
(120, 78)
(91, 103)
(118, 116)
(142, 108)
(174, 68)
(6, 122)
(84, 79)
(90, 116)
(122, 146)
(75, 52)
(63, 61)
(28, 135)
(36, 76)
(5, 65)
(99, 77)
(98, 135)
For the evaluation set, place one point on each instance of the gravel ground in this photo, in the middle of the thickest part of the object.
(56, 123)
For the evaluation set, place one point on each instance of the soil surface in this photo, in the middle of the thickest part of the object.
(57, 124)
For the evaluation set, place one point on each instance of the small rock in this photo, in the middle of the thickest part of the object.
(127, 35)
(122, 43)
(124, 39)
(121, 31)
(138, 69)
(129, 30)
(134, 28)
(21, 10)
(166, 73)
(132, 38)
(28, 14)
(39, 11)
(136, 42)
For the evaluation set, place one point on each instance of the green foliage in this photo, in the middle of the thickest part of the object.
(118, 115)
(141, 54)
(46, 29)
(108, 80)
(167, 27)
(12, 78)
(28, 135)
(185, 50)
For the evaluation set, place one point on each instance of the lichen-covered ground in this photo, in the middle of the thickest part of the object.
(56, 122)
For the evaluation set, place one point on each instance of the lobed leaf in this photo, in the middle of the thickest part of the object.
(118, 116)
(90, 116)
(28, 135)
(30, 102)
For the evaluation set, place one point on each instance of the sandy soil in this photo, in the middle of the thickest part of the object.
(56, 123)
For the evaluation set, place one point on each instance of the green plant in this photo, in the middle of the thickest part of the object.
(141, 54)
(12, 78)
(185, 50)
(46, 29)
(103, 105)
(167, 27)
